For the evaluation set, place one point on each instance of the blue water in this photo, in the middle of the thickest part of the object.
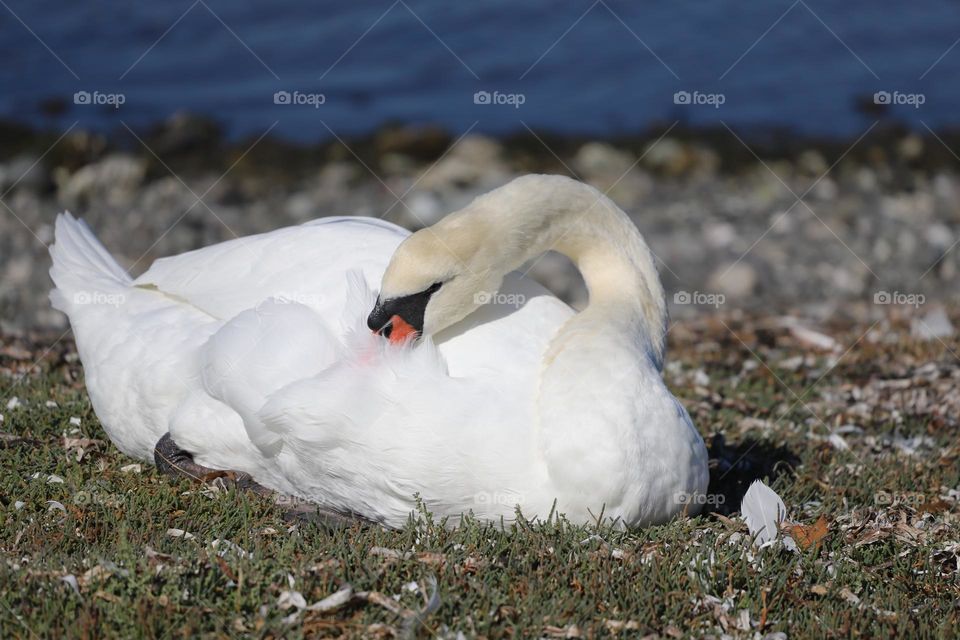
(599, 78)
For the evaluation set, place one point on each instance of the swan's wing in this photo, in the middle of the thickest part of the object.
(261, 350)
(383, 422)
(303, 264)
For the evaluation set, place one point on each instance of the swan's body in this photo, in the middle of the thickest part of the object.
(255, 355)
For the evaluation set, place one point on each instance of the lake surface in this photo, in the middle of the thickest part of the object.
(571, 67)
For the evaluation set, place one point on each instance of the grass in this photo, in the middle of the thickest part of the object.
(89, 545)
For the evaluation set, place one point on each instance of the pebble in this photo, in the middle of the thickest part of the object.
(910, 147)
(734, 280)
(599, 159)
(697, 221)
(474, 160)
(938, 235)
(718, 235)
(24, 172)
(934, 324)
(115, 180)
(667, 155)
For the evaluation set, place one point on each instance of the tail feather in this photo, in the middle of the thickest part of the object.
(82, 267)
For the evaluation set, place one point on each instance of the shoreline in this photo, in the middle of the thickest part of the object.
(878, 216)
(736, 147)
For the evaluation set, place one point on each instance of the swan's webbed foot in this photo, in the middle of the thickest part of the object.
(173, 461)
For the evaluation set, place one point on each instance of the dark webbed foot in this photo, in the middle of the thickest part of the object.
(173, 461)
(177, 463)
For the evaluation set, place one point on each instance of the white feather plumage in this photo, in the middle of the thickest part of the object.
(763, 511)
(255, 355)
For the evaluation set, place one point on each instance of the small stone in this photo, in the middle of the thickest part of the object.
(945, 187)
(24, 171)
(474, 160)
(301, 206)
(826, 189)
(720, 234)
(425, 207)
(911, 147)
(866, 179)
(736, 281)
(667, 155)
(601, 159)
(115, 180)
(938, 235)
(935, 324)
(813, 162)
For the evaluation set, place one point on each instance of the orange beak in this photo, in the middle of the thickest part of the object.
(400, 330)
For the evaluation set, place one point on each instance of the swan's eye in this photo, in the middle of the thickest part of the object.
(434, 287)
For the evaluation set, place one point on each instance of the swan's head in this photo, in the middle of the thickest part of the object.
(436, 278)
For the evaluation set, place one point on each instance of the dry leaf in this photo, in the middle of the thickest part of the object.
(109, 597)
(226, 569)
(808, 536)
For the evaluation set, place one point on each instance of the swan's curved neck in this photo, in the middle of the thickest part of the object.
(543, 213)
(601, 404)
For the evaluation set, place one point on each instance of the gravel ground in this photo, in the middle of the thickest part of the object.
(877, 222)
(812, 346)
(862, 432)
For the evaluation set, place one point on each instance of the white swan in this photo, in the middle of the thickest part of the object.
(255, 354)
